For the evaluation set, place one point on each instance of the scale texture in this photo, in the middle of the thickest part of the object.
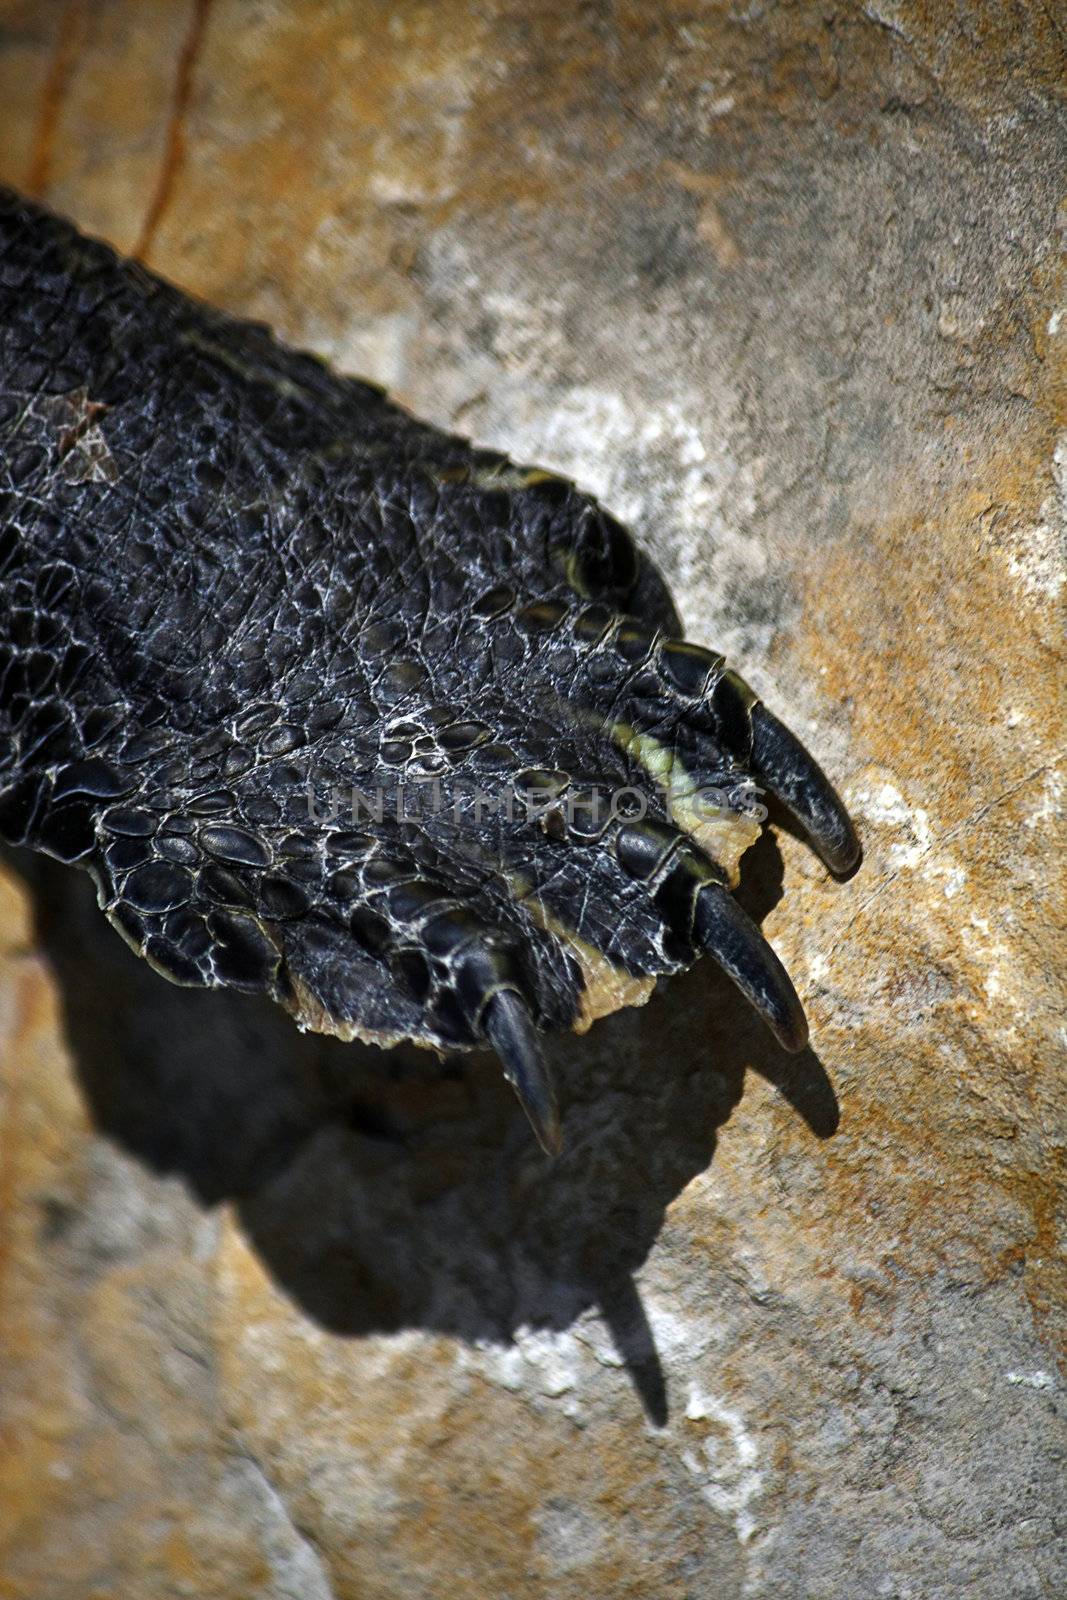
(286, 1316)
(332, 705)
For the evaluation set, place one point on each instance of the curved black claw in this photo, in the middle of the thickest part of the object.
(509, 1028)
(729, 935)
(789, 772)
(795, 778)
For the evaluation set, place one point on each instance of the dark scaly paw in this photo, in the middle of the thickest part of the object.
(264, 586)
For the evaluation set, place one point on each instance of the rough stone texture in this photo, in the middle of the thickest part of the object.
(284, 1318)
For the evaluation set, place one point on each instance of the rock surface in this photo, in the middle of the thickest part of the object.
(284, 1318)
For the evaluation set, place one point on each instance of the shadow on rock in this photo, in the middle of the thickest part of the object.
(387, 1189)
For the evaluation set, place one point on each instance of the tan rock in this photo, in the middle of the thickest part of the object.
(282, 1317)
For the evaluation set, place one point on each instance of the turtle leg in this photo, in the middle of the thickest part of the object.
(228, 572)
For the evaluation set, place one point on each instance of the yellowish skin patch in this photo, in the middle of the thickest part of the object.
(608, 988)
(725, 835)
(312, 1016)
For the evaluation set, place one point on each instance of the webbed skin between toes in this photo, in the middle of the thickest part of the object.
(233, 581)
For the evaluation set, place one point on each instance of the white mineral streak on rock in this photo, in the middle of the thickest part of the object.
(726, 1463)
(1037, 555)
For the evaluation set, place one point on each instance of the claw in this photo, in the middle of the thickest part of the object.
(509, 1028)
(788, 771)
(729, 935)
(797, 780)
(698, 908)
(486, 986)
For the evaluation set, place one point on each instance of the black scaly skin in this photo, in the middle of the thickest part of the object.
(231, 580)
